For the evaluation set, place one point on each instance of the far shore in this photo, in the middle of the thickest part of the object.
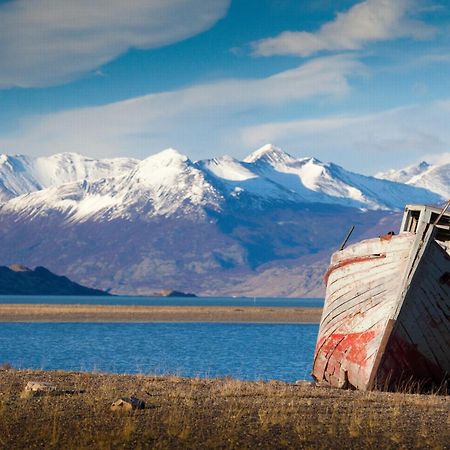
(113, 313)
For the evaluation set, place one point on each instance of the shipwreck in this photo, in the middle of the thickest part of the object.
(386, 318)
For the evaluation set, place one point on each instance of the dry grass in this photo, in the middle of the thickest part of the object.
(214, 413)
(111, 313)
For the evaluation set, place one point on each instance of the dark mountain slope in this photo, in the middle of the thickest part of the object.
(20, 280)
(210, 256)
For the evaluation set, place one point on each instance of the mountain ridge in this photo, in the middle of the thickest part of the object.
(435, 177)
(265, 225)
(169, 183)
(21, 174)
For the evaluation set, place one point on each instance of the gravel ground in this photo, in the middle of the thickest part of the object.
(213, 413)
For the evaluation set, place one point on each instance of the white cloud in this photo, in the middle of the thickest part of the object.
(439, 158)
(46, 42)
(368, 21)
(202, 116)
(365, 143)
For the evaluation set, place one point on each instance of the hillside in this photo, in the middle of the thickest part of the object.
(20, 280)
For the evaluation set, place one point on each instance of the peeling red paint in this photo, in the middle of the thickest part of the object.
(339, 355)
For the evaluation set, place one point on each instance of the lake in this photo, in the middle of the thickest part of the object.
(163, 301)
(244, 351)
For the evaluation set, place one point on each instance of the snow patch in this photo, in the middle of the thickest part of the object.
(435, 178)
(170, 184)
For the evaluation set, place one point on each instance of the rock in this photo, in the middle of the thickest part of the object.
(38, 388)
(305, 383)
(127, 404)
(173, 293)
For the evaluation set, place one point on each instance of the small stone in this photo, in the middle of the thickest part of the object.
(127, 404)
(40, 386)
(33, 388)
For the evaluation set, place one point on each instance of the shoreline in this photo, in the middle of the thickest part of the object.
(115, 313)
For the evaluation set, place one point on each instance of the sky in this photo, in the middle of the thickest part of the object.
(364, 84)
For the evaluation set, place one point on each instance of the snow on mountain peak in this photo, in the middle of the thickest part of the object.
(169, 183)
(435, 178)
(269, 153)
(161, 167)
(20, 174)
(165, 184)
(227, 168)
(16, 177)
(404, 175)
(169, 156)
(312, 181)
(68, 167)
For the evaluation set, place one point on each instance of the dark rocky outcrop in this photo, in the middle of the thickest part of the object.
(173, 293)
(20, 280)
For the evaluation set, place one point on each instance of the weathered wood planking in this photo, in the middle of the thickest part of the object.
(421, 335)
(386, 317)
(363, 283)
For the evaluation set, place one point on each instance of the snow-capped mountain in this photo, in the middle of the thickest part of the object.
(170, 184)
(20, 174)
(221, 226)
(435, 178)
(164, 184)
(315, 181)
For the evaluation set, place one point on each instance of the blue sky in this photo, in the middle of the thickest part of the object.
(364, 84)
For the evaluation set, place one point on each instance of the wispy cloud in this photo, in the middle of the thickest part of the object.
(46, 42)
(379, 141)
(368, 21)
(437, 158)
(191, 118)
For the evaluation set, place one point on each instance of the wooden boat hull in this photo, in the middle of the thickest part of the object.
(369, 333)
(418, 348)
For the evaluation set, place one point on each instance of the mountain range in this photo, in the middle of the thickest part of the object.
(261, 226)
(435, 177)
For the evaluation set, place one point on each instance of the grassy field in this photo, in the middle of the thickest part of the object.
(213, 413)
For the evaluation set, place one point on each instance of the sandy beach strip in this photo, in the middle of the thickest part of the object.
(113, 313)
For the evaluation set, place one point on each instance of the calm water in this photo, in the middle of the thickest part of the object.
(168, 301)
(243, 351)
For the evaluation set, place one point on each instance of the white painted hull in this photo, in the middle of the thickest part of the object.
(369, 334)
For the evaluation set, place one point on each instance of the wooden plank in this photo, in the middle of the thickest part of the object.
(380, 311)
